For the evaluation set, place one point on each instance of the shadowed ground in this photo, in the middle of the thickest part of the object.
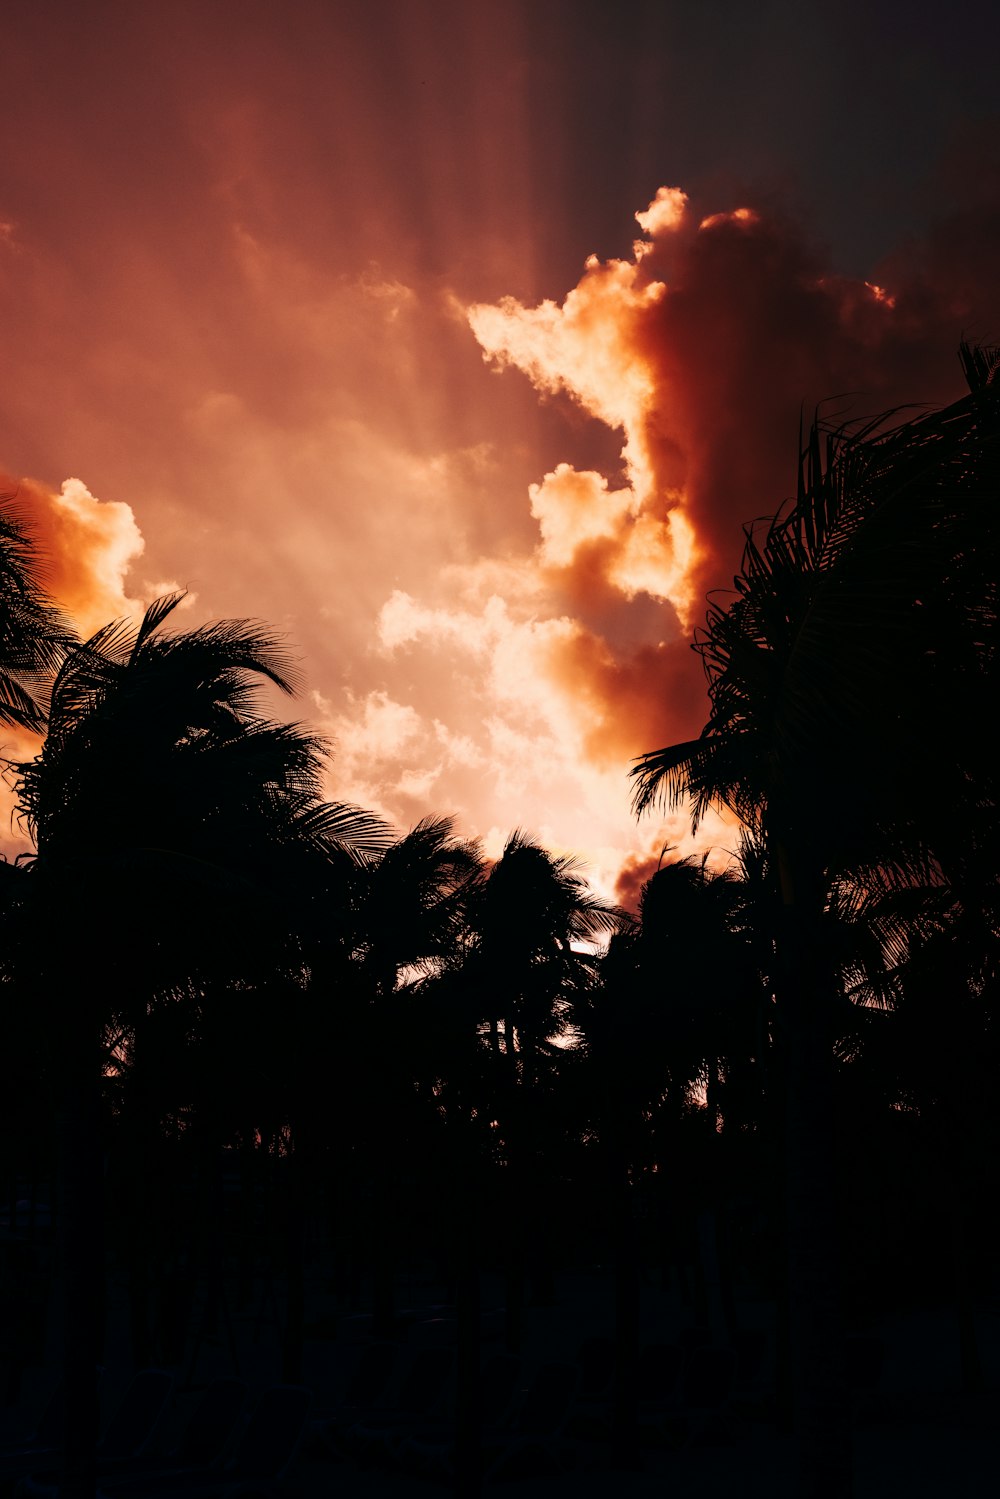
(917, 1435)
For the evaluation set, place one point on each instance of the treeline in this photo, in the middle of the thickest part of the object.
(392, 1049)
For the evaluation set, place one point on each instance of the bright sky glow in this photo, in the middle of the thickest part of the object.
(341, 324)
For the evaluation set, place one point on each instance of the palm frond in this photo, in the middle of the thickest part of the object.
(980, 364)
(154, 616)
(340, 826)
(664, 776)
(34, 634)
(842, 606)
(244, 646)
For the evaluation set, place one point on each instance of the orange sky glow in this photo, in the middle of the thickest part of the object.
(297, 318)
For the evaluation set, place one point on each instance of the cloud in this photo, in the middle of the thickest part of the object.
(587, 347)
(703, 349)
(509, 729)
(635, 871)
(526, 676)
(573, 508)
(390, 757)
(666, 212)
(86, 548)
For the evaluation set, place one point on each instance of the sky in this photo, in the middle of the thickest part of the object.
(459, 341)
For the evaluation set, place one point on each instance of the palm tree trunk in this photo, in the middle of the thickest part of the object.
(514, 1229)
(294, 1228)
(384, 1224)
(513, 1271)
(970, 1359)
(140, 1150)
(468, 1408)
(80, 1243)
(247, 1214)
(624, 1436)
(821, 1404)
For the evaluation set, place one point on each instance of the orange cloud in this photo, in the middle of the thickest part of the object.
(85, 547)
(702, 351)
(634, 872)
(587, 347)
(624, 699)
(528, 671)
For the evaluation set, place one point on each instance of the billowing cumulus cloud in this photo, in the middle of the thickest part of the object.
(510, 730)
(701, 350)
(86, 549)
(587, 348)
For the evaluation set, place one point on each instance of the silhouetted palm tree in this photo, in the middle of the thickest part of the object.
(670, 1027)
(532, 918)
(161, 782)
(413, 903)
(409, 919)
(862, 631)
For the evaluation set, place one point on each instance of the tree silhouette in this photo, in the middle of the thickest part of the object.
(160, 779)
(667, 1032)
(408, 1050)
(530, 918)
(409, 919)
(527, 916)
(861, 633)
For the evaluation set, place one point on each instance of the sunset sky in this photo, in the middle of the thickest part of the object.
(458, 338)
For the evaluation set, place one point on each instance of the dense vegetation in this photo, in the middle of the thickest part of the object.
(245, 1027)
